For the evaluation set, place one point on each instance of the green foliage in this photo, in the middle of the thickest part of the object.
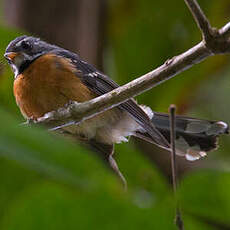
(209, 197)
(51, 183)
(72, 186)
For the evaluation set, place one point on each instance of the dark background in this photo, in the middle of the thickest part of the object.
(49, 183)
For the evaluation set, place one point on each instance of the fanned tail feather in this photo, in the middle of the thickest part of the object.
(194, 137)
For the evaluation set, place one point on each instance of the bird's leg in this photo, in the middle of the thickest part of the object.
(115, 167)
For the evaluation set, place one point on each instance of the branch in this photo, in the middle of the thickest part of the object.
(200, 18)
(225, 31)
(214, 42)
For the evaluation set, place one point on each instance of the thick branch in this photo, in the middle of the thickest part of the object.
(77, 112)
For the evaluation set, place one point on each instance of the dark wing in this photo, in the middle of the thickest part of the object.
(101, 84)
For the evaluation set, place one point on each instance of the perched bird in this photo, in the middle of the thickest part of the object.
(47, 77)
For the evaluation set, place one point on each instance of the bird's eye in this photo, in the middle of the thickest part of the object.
(26, 45)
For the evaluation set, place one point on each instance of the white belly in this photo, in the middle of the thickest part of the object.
(113, 126)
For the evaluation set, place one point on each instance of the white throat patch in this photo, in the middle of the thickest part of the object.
(18, 61)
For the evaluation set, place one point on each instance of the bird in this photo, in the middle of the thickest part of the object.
(47, 77)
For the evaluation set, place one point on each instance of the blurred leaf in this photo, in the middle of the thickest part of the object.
(14, 179)
(92, 193)
(48, 206)
(140, 173)
(205, 194)
(196, 223)
(50, 155)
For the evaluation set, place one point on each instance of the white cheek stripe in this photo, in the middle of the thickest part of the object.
(15, 69)
(17, 62)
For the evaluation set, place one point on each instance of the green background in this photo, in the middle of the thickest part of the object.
(50, 183)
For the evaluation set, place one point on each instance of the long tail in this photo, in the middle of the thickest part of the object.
(194, 137)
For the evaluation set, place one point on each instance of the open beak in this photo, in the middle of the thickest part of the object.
(10, 56)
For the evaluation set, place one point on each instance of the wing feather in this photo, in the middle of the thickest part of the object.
(101, 84)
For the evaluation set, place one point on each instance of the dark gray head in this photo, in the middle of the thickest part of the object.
(25, 49)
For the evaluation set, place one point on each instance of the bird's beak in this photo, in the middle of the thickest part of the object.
(10, 56)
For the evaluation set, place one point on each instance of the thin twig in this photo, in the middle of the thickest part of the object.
(200, 18)
(225, 31)
(172, 110)
(178, 218)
